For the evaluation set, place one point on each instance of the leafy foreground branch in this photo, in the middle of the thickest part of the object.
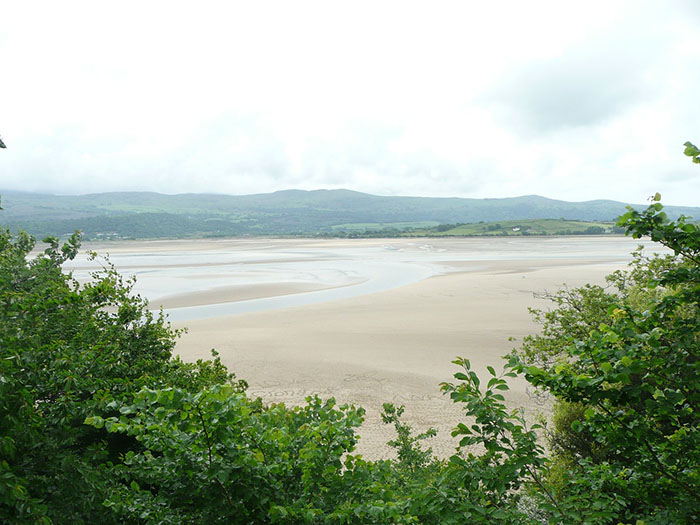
(98, 424)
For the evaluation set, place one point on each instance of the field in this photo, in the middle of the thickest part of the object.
(522, 227)
(374, 226)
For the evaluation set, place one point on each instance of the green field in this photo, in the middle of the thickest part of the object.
(520, 228)
(375, 226)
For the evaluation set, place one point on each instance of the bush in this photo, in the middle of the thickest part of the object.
(66, 352)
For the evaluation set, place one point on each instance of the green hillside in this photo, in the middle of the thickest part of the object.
(521, 227)
(291, 212)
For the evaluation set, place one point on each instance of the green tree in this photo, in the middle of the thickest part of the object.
(66, 352)
(217, 457)
(623, 365)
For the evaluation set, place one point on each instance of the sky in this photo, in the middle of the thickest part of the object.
(568, 100)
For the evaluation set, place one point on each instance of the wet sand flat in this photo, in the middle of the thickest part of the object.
(397, 345)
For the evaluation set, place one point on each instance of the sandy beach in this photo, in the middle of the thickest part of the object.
(366, 321)
(395, 345)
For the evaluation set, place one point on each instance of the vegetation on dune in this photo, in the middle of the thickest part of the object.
(98, 424)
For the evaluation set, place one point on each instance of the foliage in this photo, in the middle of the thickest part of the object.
(692, 151)
(217, 457)
(512, 455)
(412, 458)
(167, 441)
(577, 312)
(66, 351)
(623, 367)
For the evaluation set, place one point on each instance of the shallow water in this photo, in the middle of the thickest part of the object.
(347, 268)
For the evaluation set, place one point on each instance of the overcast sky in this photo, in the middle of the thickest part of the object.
(569, 100)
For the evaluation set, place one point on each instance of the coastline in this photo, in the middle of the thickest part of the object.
(392, 346)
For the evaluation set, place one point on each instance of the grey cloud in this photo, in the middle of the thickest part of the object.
(232, 149)
(678, 176)
(356, 145)
(690, 9)
(215, 156)
(359, 149)
(590, 84)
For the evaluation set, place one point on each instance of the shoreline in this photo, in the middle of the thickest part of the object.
(441, 298)
(392, 346)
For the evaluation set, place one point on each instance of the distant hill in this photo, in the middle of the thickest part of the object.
(155, 215)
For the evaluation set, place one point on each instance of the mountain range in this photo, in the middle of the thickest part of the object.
(289, 212)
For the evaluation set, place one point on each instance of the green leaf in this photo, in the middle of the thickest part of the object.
(95, 421)
(474, 378)
(691, 150)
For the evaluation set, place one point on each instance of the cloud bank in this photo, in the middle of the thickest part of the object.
(392, 98)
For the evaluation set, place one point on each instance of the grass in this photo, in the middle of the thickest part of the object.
(520, 227)
(374, 226)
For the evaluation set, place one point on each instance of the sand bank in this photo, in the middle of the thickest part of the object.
(397, 345)
(226, 294)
